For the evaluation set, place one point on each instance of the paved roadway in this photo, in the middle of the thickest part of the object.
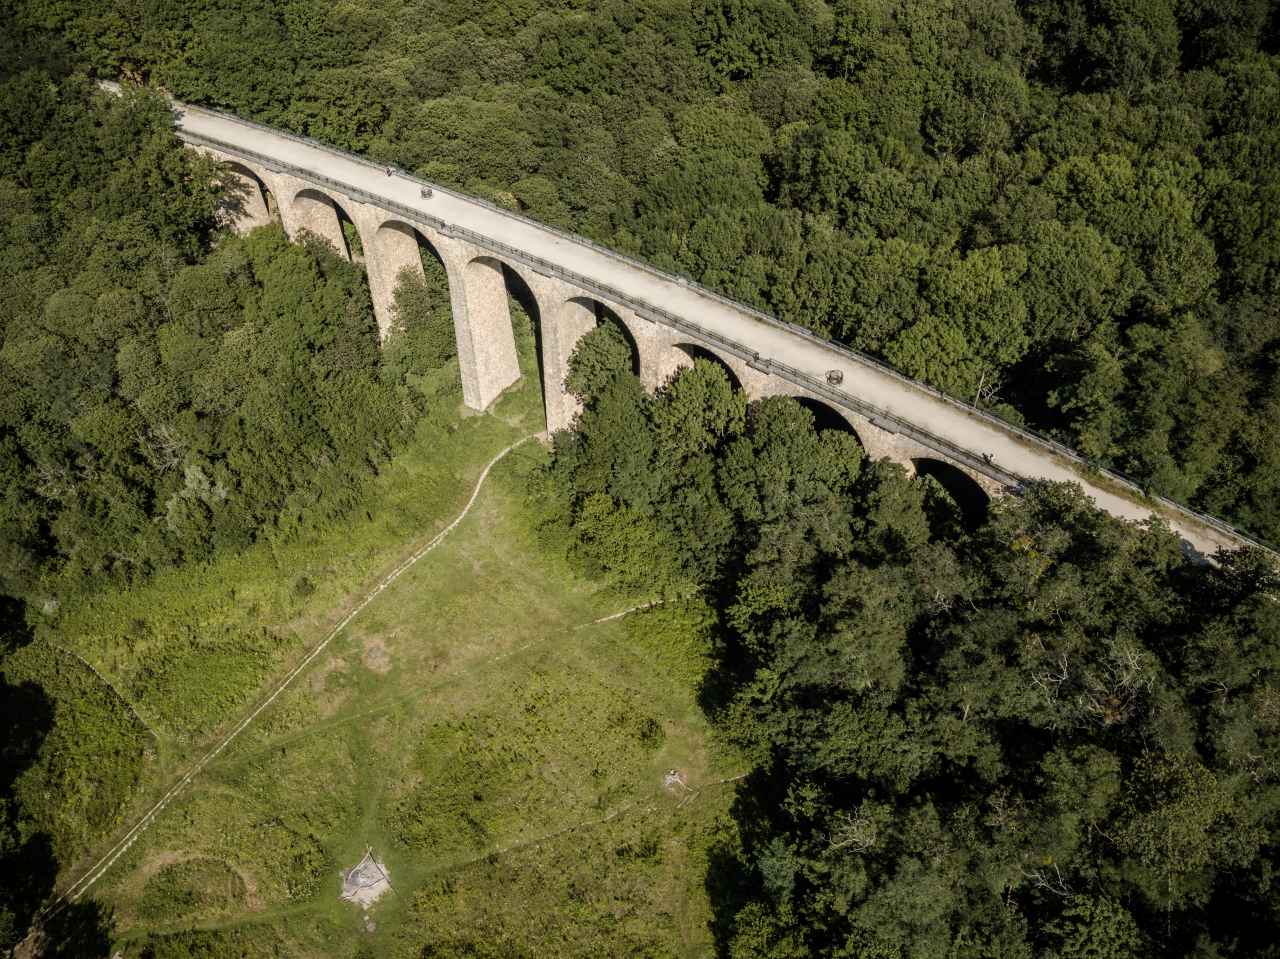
(1007, 449)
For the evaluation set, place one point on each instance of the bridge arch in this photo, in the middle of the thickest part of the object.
(827, 417)
(321, 215)
(398, 250)
(582, 314)
(970, 498)
(681, 355)
(397, 233)
(246, 202)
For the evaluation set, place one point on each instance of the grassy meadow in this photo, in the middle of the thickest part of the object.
(504, 756)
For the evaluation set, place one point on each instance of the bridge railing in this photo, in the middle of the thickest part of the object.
(878, 415)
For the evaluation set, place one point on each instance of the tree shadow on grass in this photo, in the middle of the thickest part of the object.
(28, 866)
(78, 929)
(731, 881)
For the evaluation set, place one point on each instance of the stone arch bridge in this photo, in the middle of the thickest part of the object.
(386, 219)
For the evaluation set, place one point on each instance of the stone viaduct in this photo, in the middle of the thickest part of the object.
(389, 220)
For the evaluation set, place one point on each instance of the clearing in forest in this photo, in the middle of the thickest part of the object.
(510, 769)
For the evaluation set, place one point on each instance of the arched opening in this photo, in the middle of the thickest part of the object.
(410, 288)
(585, 314)
(970, 498)
(322, 216)
(245, 202)
(394, 237)
(350, 235)
(826, 417)
(686, 353)
(526, 321)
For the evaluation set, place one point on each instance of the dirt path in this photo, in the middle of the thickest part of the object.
(652, 604)
(625, 612)
(96, 871)
(252, 900)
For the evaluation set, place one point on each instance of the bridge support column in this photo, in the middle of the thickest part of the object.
(881, 444)
(481, 321)
(656, 344)
(664, 352)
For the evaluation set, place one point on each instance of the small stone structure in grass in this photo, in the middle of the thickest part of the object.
(674, 782)
(366, 881)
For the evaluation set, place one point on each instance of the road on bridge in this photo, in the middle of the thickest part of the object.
(951, 422)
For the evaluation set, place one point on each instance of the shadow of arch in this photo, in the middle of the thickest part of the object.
(972, 499)
(322, 215)
(599, 314)
(518, 289)
(695, 352)
(397, 234)
(827, 417)
(246, 197)
(399, 252)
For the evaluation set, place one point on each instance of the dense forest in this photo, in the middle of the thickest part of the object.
(1055, 736)
(1064, 210)
(1047, 734)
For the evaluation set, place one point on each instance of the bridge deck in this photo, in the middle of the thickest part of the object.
(1011, 451)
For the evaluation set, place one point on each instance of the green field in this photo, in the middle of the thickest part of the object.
(503, 756)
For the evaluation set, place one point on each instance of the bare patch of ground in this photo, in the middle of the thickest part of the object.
(675, 783)
(366, 882)
(376, 656)
(320, 675)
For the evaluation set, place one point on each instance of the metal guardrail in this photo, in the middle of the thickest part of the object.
(882, 417)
